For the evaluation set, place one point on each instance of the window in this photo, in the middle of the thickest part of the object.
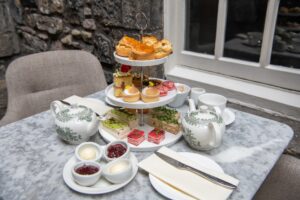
(247, 39)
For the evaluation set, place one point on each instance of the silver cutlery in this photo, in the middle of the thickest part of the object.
(183, 166)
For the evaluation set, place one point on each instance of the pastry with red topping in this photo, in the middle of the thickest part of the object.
(122, 78)
(169, 84)
(156, 136)
(136, 137)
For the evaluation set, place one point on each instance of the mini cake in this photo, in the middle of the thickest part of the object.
(149, 40)
(156, 136)
(150, 94)
(136, 79)
(169, 84)
(142, 52)
(165, 118)
(125, 116)
(122, 78)
(162, 48)
(116, 127)
(136, 137)
(131, 94)
(163, 90)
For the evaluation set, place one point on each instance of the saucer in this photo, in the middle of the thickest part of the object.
(102, 186)
(228, 116)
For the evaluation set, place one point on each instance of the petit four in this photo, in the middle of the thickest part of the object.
(165, 118)
(116, 127)
(150, 94)
(125, 116)
(156, 136)
(136, 137)
(136, 79)
(131, 94)
(122, 77)
(169, 84)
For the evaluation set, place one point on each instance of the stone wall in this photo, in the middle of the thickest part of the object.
(31, 26)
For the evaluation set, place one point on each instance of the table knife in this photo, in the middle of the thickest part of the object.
(205, 175)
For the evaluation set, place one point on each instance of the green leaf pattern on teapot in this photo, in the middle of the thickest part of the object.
(84, 115)
(67, 134)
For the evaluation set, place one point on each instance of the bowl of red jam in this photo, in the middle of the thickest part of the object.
(86, 173)
(116, 149)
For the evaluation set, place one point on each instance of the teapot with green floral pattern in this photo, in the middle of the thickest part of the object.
(203, 128)
(74, 123)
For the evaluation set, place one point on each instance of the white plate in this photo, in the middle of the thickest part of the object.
(140, 104)
(169, 140)
(102, 186)
(228, 116)
(139, 63)
(172, 193)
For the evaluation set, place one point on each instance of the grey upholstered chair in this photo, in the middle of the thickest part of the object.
(283, 182)
(35, 80)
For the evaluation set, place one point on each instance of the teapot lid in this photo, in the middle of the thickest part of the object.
(202, 116)
(82, 113)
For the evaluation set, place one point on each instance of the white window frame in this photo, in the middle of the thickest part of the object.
(262, 77)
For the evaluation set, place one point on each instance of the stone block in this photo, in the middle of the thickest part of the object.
(76, 32)
(89, 24)
(110, 12)
(86, 36)
(43, 36)
(75, 4)
(33, 44)
(67, 39)
(103, 48)
(52, 25)
(87, 11)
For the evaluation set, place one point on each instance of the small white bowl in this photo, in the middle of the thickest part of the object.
(180, 96)
(84, 145)
(86, 180)
(125, 155)
(121, 174)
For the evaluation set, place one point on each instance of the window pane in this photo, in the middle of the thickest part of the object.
(286, 43)
(244, 29)
(201, 24)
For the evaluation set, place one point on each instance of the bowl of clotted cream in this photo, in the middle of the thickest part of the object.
(88, 151)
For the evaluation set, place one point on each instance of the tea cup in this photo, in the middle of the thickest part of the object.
(216, 101)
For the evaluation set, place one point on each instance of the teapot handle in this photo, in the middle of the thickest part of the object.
(218, 110)
(217, 134)
(56, 107)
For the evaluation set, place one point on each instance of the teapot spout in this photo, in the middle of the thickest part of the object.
(192, 105)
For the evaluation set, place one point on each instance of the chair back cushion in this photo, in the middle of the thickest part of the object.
(35, 80)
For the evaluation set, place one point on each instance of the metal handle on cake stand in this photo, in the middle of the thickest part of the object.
(140, 16)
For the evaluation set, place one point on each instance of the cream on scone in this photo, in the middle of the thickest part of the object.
(131, 94)
(150, 94)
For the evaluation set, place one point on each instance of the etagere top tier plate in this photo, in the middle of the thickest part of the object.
(139, 63)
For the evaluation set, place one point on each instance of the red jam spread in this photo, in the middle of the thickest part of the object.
(116, 150)
(87, 170)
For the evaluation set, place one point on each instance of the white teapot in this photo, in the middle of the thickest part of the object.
(203, 128)
(74, 123)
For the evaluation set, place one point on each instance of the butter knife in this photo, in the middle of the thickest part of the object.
(183, 166)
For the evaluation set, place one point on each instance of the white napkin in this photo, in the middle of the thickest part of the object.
(96, 105)
(192, 185)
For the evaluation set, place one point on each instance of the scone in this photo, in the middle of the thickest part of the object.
(162, 48)
(125, 45)
(142, 52)
(131, 94)
(150, 94)
(149, 40)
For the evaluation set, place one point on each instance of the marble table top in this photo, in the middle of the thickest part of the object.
(33, 157)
